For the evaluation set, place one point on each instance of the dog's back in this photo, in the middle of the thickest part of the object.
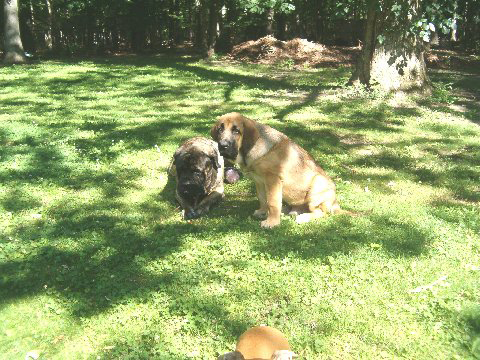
(260, 342)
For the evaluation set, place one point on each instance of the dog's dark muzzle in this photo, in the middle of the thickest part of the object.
(227, 149)
(191, 190)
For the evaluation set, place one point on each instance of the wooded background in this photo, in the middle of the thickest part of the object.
(77, 27)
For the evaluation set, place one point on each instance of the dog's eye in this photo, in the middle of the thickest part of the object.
(235, 131)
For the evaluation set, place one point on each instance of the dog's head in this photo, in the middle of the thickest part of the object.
(234, 355)
(235, 134)
(196, 172)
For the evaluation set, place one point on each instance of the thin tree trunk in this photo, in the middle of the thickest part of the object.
(14, 53)
(172, 23)
(212, 27)
(114, 36)
(201, 38)
(269, 25)
(319, 21)
(229, 33)
(31, 28)
(362, 71)
(48, 34)
(281, 26)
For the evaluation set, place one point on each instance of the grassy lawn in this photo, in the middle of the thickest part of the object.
(96, 262)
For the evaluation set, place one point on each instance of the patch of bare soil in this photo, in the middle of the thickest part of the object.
(269, 50)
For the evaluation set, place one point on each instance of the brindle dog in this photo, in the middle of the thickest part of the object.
(198, 168)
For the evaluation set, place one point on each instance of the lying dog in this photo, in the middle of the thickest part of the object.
(260, 343)
(198, 168)
(281, 169)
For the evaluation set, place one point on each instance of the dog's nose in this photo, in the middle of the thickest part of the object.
(222, 146)
(190, 189)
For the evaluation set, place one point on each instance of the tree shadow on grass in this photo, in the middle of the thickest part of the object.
(18, 199)
(452, 163)
(342, 234)
(458, 94)
(308, 100)
(104, 270)
(457, 213)
(471, 316)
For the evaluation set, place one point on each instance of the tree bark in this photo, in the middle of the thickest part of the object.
(318, 30)
(201, 34)
(14, 53)
(270, 14)
(396, 62)
(27, 27)
(212, 27)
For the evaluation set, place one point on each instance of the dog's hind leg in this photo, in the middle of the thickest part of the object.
(321, 200)
(308, 216)
(322, 196)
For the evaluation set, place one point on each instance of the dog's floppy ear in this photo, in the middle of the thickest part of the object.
(216, 158)
(214, 131)
(172, 169)
(249, 137)
(178, 157)
(215, 162)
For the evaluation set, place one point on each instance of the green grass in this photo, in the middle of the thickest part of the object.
(96, 262)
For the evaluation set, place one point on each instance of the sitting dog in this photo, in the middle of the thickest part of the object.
(281, 169)
(261, 343)
(198, 168)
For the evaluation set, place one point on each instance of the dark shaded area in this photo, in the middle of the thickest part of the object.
(342, 236)
(17, 199)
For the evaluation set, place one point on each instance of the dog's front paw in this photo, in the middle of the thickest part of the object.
(191, 214)
(260, 214)
(270, 223)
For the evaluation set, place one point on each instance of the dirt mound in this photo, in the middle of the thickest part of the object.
(268, 50)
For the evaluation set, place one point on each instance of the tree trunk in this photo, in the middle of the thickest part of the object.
(27, 30)
(212, 27)
(361, 73)
(270, 14)
(281, 26)
(319, 20)
(389, 57)
(138, 26)
(229, 34)
(14, 53)
(201, 36)
(50, 30)
(173, 22)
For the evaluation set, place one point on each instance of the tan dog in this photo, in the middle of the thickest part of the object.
(260, 343)
(281, 169)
